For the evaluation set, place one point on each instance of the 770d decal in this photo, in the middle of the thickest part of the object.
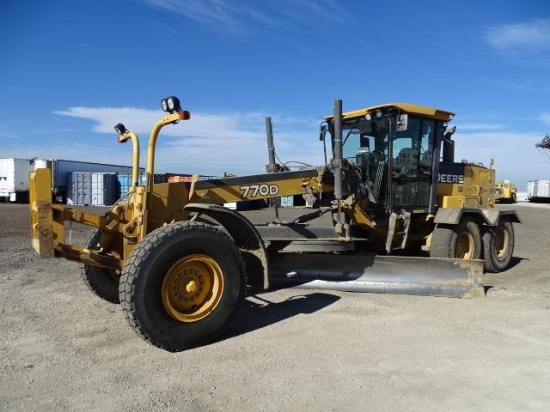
(251, 191)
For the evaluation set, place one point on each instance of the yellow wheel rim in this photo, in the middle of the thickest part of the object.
(465, 245)
(501, 241)
(192, 288)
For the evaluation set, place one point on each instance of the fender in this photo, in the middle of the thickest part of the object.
(245, 236)
(489, 217)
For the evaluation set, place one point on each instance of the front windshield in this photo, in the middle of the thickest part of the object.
(366, 136)
(365, 142)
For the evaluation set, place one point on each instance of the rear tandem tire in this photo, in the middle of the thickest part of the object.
(182, 285)
(498, 247)
(462, 241)
(101, 281)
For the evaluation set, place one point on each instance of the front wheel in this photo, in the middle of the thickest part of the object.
(498, 247)
(182, 285)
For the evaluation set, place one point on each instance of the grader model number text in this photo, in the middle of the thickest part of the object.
(251, 191)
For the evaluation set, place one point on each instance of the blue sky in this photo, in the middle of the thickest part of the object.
(71, 70)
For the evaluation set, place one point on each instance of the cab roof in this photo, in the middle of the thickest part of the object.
(404, 107)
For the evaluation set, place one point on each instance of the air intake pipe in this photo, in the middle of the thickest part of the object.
(449, 146)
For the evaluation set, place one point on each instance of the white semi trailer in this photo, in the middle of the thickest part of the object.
(14, 178)
(538, 190)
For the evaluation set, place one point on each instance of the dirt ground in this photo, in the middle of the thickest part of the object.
(62, 348)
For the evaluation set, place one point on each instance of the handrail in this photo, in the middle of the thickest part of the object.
(172, 118)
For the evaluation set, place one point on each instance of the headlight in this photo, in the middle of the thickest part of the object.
(164, 105)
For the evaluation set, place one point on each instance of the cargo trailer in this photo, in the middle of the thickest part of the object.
(538, 190)
(62, 168)
(92, 189)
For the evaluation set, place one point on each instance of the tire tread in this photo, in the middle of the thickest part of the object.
(140, 252)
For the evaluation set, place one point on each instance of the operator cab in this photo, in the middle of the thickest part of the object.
(396, 150)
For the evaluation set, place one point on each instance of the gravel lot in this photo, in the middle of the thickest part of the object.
(62, 348)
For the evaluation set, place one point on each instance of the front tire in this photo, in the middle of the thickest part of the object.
(182, 285)
(498, 247)
(462, 241)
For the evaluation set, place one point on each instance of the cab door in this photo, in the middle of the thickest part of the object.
(412, 165)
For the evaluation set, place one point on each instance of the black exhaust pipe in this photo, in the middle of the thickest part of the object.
(272, 166)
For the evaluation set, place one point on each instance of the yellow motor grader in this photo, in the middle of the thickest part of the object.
(179, 262)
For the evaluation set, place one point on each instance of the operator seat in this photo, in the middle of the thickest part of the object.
(405, 162)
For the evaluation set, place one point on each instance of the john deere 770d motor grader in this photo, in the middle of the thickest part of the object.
(179, 262)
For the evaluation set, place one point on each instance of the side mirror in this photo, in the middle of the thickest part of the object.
(402, 123)
(323, 132)
(364, 143)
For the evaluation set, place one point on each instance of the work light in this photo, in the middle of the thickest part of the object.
(171, 104)
(120, 128)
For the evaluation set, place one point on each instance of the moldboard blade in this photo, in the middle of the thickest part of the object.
(379, 274)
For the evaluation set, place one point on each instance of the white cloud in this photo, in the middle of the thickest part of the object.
(521, 37)
(142, 120)
(103, 151)
(258, 16)
(515, 155)
(209, 143)
(218, 14)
